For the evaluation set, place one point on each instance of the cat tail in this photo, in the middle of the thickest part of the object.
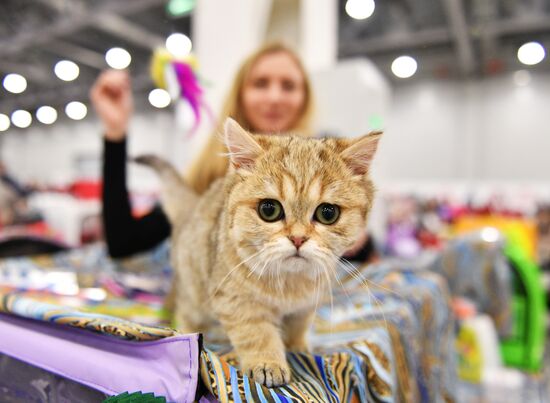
(177, 198)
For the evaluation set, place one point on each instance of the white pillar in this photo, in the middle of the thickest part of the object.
(284, 23)
(227, 31)
(319, 33)
(224, 33)
(310, 27)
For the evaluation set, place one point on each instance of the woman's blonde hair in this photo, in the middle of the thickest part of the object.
(211, 163)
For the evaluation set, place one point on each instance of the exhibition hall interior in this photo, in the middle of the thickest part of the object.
(275, 201)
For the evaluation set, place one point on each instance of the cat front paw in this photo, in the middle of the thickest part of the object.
(270, 374)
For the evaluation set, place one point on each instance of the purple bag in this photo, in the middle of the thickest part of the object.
(167, 366)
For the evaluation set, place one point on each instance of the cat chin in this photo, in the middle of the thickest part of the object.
(298, 261)
(298, 265)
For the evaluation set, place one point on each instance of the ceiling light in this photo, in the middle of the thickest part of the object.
(118, 58)
(4, 122)
(522, 78)
(404, 67)
(46, 115)
(76, 110)
(360, 9)
(159, 98)
(21, 118)
(531, 53)
(15, 83)
(66, 70)
(179, 44)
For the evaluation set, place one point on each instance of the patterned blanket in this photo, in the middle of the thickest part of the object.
(477, 269)
(386, 336)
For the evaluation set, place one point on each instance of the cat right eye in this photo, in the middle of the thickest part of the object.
(270, 210)
(327, 213)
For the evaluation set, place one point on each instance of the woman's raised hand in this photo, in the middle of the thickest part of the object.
(112, 98)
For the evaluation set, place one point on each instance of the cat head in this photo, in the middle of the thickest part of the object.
(296, 204)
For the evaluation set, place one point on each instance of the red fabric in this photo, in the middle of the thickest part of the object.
(86, 189)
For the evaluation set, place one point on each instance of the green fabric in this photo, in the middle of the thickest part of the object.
(136, 397)
(525, 347)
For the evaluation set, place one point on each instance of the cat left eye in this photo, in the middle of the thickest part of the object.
(327, 213)
(270, 210)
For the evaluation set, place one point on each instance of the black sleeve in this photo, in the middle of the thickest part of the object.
(125, 234)
(366, 253)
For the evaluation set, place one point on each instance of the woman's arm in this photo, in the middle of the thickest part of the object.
(125, 234)
(363, 251)
(111, 96)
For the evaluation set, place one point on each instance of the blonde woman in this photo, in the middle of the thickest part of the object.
(270, 94)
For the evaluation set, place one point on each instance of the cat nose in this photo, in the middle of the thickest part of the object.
(298, 240)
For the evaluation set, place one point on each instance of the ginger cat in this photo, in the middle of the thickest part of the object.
(257, 250)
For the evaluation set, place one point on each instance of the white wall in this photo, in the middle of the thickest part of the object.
(348, 95)
(475, 131)
(436, 131)
(48, 154)
(461, 139)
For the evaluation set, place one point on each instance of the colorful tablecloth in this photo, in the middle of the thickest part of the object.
(386, 337)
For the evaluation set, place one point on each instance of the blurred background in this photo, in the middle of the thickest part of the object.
(461, 89)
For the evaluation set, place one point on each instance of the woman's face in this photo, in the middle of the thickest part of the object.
(273, 95)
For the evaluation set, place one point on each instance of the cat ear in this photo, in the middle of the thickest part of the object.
(243, 149)
(359, 154)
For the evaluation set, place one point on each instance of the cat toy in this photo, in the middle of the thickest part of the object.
(178, 76)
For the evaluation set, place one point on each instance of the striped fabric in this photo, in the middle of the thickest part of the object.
(379, 345)
(16, 304)
(324, 377)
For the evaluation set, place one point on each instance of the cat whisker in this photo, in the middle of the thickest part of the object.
(364, 278)
(335, 274)
(274, 277)
(252, 269)
(349, 268)
(255, 266)
(321, 256)
(280, 285)
(271, 277)
(235, 268)
(267, 262)
(233, 154)
(326, 274)
(335, 259)
(317, 287)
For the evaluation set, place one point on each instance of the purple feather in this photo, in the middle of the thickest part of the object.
(190, 89)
